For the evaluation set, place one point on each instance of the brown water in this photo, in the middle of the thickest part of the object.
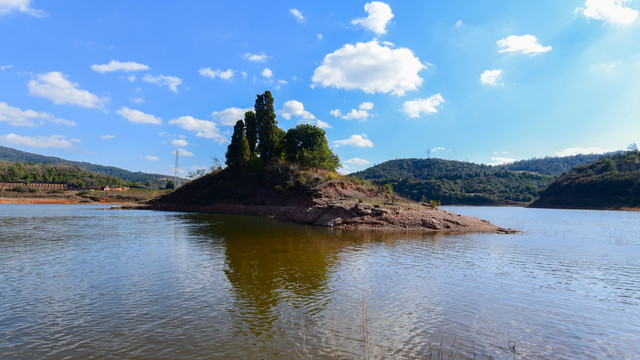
(80, 282)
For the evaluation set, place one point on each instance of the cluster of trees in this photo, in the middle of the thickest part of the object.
(456, 182)
(554, 166)
(61, 174)
(259, 137)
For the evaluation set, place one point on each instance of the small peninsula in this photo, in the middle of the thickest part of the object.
(292, 176)
(609, 183)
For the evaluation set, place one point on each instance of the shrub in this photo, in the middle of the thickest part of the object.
(33, 190)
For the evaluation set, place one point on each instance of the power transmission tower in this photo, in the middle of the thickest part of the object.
(429, 153)
(177, 171)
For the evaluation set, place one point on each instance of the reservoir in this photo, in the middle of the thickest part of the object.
(83, 281)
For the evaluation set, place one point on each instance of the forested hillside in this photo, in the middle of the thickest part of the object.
(154, 180)
(48, 173)
(456, 182)
(611, 182)
(554, 166)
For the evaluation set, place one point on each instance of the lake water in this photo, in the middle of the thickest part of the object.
(82, 282)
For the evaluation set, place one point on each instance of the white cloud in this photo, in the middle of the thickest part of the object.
(361, 114)
(459, 23)
(295, 108)
(56, 87)
(114, 65)
(611, 11)
(244, 74)
(52, 141)
(18, 117)
(525, 44)
(255, 57)
(229, 116)
(501, 160)
(439, 148)
(607, 67)
(267, 73)
(23, 6)
(491, 77)
(184, 152)
(5, 67)
(355, 140)
(297, 14)
(371, 68)
(321, 124)
(179, 142)
(379, 15)
(581, 150)
(151, 158)
(203, 128)
(415, 108)
(319, 37)
(171, 82)
(138, 117)
(224, 75)
(107, 137)
(357, 162)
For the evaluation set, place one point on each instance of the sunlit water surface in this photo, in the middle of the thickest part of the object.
(83, 282)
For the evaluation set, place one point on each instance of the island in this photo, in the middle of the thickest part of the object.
(292, 176)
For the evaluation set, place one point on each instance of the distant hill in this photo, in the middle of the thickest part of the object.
(554, 166)
(609, 183)
(13, 155)
(456, 182)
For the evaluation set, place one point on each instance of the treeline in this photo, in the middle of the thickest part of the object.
(135, 177)
(611, 182)
(554, 166)
(258, 139)
(456, 182)
(73, 176)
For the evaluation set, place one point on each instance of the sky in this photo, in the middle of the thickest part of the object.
(130, 83)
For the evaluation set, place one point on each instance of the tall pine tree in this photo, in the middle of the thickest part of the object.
(238, 151)
(252, 131)
(266, 125)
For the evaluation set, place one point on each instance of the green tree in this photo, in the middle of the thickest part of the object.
(266, 125)
(170, 185)
(250, 123)
(308, 146)
(238, 151)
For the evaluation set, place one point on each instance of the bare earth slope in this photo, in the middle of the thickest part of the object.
(313, 198)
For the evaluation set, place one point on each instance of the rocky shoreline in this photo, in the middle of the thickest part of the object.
(343, 205)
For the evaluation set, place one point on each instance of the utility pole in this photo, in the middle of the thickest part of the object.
(429, 153)
(176, 171)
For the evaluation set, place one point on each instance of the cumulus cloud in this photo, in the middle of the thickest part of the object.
(415, 108)
(491, 77)
(267, 73)
(22, 6)
(355, 140)
(357, 162)
(297, 14)
(581, 150)
(370, 67)
(379, 14)
(52, 141)
(18, 117)
(229, 116)
(321, 124)
(171, 82)
(362, 113)
(525, 44)
(501, 160)
(295, 108)
(203, 128)
(151, 158)
(255, 57)
(114, 65)
(55, 86)
(138, 117)
(184, 152)
(179, 142)
(224, 75)
(611, 11)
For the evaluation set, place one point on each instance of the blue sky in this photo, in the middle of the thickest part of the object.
(127, 83)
